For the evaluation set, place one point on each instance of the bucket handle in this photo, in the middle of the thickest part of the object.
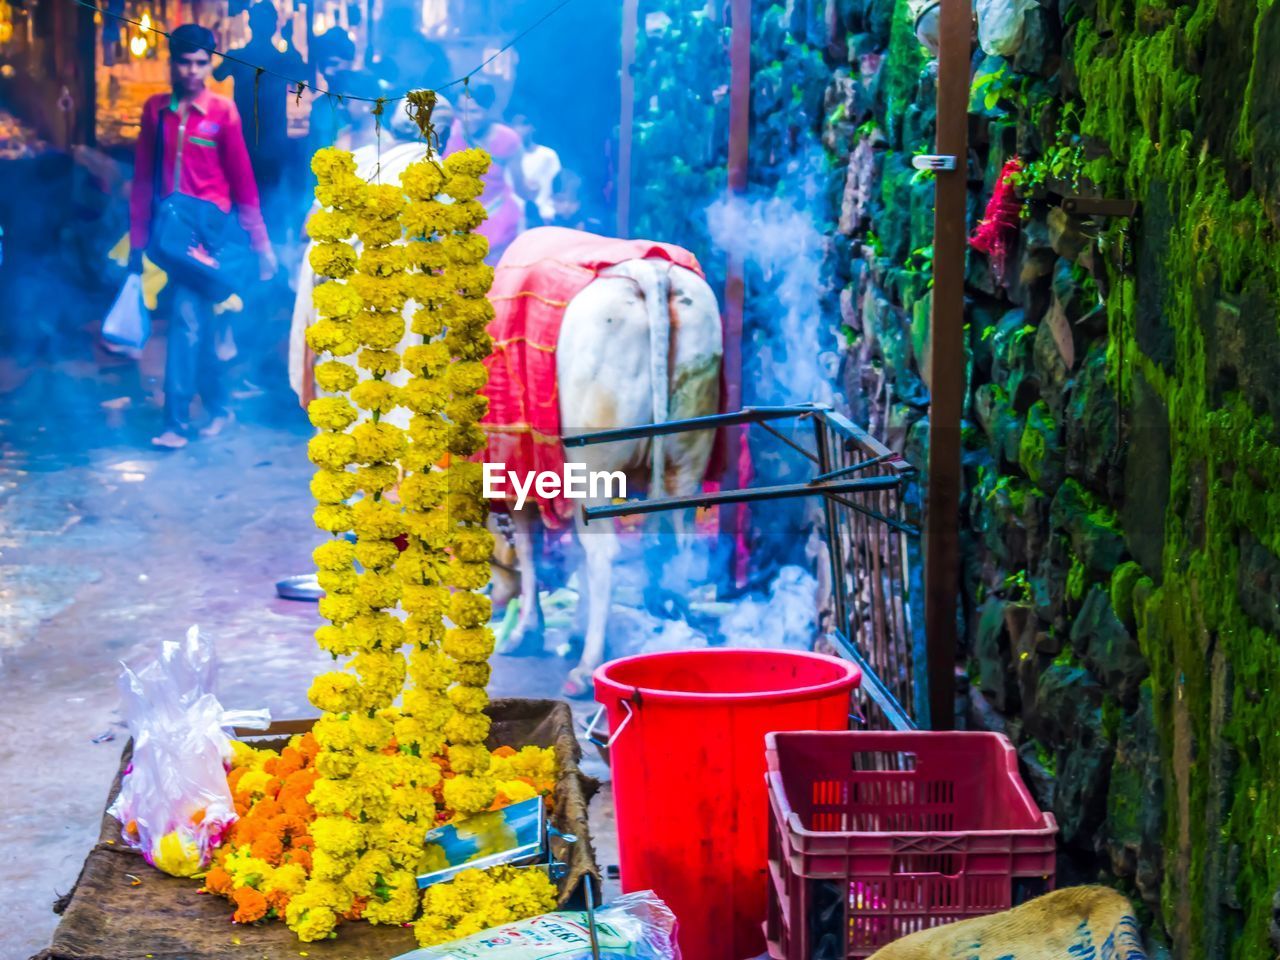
(593, 737)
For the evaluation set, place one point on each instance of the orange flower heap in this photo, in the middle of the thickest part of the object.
(266, 857)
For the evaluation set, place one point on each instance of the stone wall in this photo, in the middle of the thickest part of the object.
(1121, 563)
(1121, 519)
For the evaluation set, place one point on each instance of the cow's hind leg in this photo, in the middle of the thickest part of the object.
(600, 548)
(529, 636)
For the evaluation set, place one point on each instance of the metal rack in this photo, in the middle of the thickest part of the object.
(871, 517)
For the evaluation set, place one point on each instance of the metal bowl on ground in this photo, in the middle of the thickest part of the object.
(302, 587)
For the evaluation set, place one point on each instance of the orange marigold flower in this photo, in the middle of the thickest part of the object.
(271, 766)
(289, 825)
(308, 747)
(268, 848)
(299, 783)
(233, 778)
(273, 786)
(504, 752)
(357, 909)
(278, 900)
(218, 881)
(266, 808)
(243, 831)
(299, 808)
(299, 855)
(291, 761)
(250, 905)
(304, 842)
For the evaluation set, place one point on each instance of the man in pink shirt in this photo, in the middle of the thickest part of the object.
(192, 144)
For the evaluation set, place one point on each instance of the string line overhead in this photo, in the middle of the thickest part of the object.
(302, 85)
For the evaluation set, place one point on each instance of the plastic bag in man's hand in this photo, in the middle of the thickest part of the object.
(636, 925)
(128, 324)
(174, 804)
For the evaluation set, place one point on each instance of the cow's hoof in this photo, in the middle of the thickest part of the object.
(529, 643)
(577, 687)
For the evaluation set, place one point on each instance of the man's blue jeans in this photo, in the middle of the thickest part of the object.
(192, 365)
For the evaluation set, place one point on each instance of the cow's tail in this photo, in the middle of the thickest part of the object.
(656, 286)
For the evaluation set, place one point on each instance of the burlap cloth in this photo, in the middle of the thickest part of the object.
(1074, 923)
(107, 917)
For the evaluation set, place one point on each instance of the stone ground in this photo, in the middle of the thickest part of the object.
(109, 547)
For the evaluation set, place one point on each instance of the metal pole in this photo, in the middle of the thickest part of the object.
(947, 365)
(735, 521)
(626, 121)
(784, 491)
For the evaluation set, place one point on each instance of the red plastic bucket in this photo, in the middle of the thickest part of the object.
(688, 760)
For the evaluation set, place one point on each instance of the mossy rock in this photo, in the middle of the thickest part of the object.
(1107, 647)
(993, 653)
(994, 413)
(1090, 527)
(1134, 826)
(1146, 476)
(1264, 115)
(1011, 350)
(1040, 451)
(1123, 581)
(1093, 450)
(1259, 583)
(1242, 350)
(1153, 330)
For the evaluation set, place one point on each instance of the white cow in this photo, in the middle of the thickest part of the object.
(641, 343)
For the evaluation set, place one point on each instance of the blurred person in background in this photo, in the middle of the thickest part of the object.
(192, 162)
(332, 55)
(539, 165)
(261, 100)
(504, 185)
(566, 202)
(407, 60)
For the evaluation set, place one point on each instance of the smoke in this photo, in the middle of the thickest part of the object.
(784, 616)
(777, 239)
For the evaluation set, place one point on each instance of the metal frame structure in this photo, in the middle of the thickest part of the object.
(871, 527)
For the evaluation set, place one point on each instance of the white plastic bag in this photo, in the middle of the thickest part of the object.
(637, 926)
(128, 324)
(174, 804)
(1001, 25)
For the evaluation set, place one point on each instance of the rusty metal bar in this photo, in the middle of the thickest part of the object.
(734, 522)
(947, 363)
(747, 415)
(871, 684)
(626, 122)
(781, 492)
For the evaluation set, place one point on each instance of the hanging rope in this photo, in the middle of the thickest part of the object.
(257, 83)
(302, 84)
(419, 106)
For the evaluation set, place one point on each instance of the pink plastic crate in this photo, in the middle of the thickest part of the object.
(875, 835)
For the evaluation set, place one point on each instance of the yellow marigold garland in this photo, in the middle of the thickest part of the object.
(380, 768)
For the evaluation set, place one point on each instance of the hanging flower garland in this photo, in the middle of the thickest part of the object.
(345, 731)
(469, 545)
(386, 774)
(425, 599)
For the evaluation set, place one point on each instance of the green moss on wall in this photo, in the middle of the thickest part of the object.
(1212, 664)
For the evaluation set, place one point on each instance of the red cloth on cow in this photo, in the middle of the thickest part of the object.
(539, 274)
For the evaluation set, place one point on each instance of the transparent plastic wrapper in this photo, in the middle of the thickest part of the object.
(128, 324)
(636, 925)
(174, 804)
